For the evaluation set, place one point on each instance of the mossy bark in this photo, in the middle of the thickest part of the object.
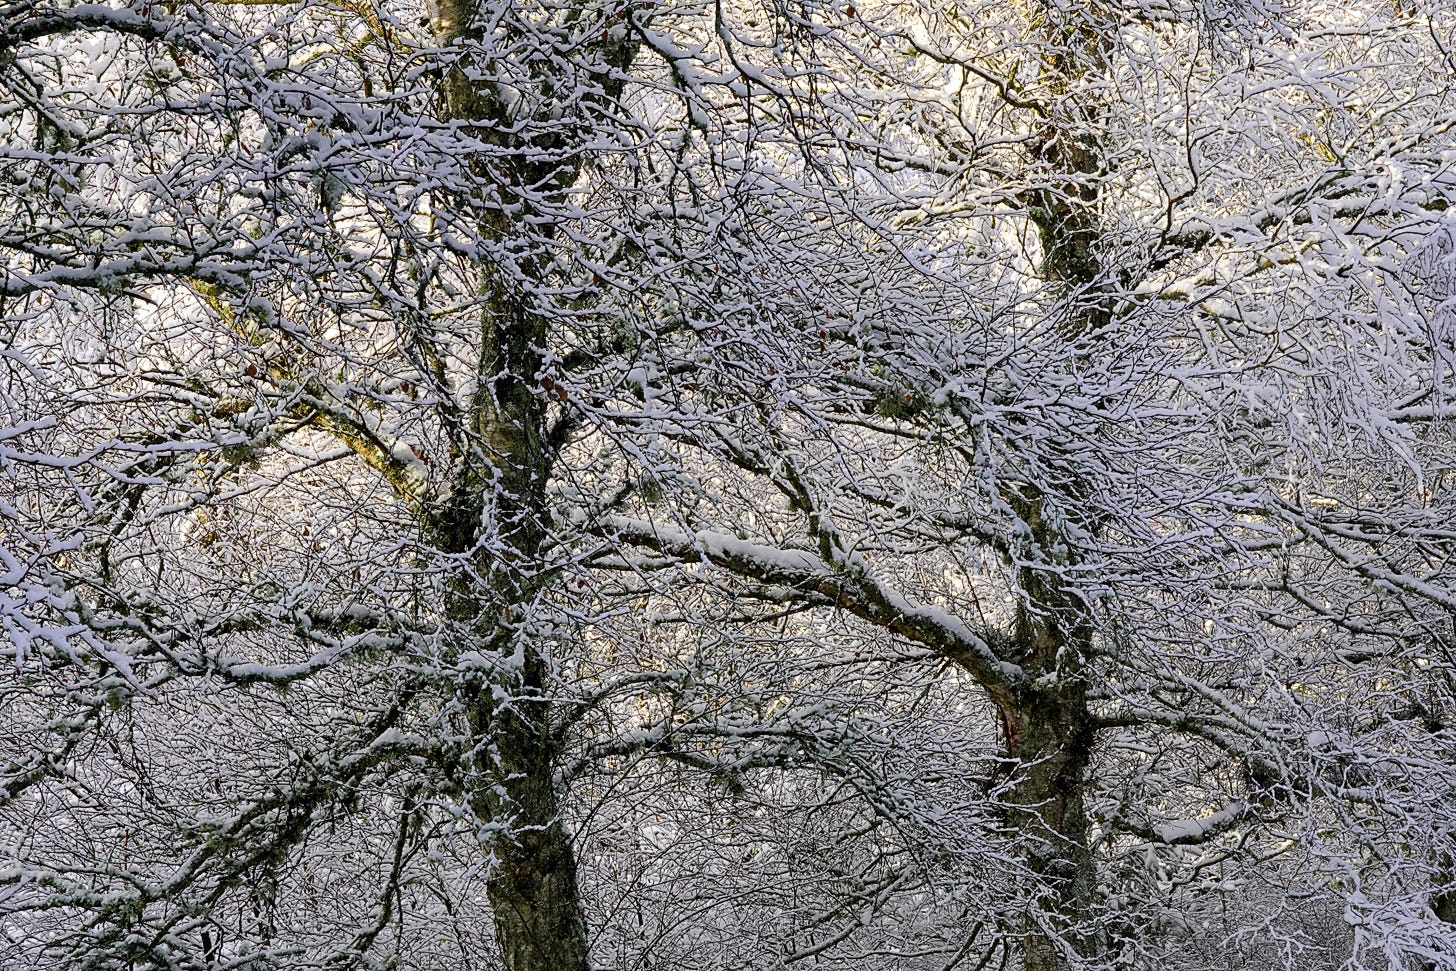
(495, 522)
(1048, 727)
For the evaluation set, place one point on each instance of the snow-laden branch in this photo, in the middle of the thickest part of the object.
(1192, 832)
(848, 587)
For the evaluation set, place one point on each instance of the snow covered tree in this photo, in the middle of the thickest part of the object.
(1118, 441)
(928, 484)
(332, 330)
(288, 328)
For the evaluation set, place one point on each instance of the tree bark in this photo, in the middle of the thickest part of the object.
(1049, 737)
(1048, 728)
(495, 521)
(497, 524)
(534, 895)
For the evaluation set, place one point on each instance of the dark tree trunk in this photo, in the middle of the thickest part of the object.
(496, 521)
(1049, 731)
(496, 515)
(533, 891)
(1049, 736)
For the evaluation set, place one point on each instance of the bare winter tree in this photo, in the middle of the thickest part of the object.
(294, 310)
(1147, 460)
(332, 333)
(728, 485)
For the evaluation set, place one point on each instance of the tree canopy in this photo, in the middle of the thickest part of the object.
(549, 486)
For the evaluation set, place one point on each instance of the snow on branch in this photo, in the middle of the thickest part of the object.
(848, 587)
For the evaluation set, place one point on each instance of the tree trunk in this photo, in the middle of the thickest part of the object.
(496, 516)
(1049, 735)
(533, 890)
(1049, 731)
(497, 524)
(496, 521)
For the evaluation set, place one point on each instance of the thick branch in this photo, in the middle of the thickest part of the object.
(847, 586)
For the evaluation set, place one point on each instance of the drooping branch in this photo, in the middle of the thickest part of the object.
(848, 586)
